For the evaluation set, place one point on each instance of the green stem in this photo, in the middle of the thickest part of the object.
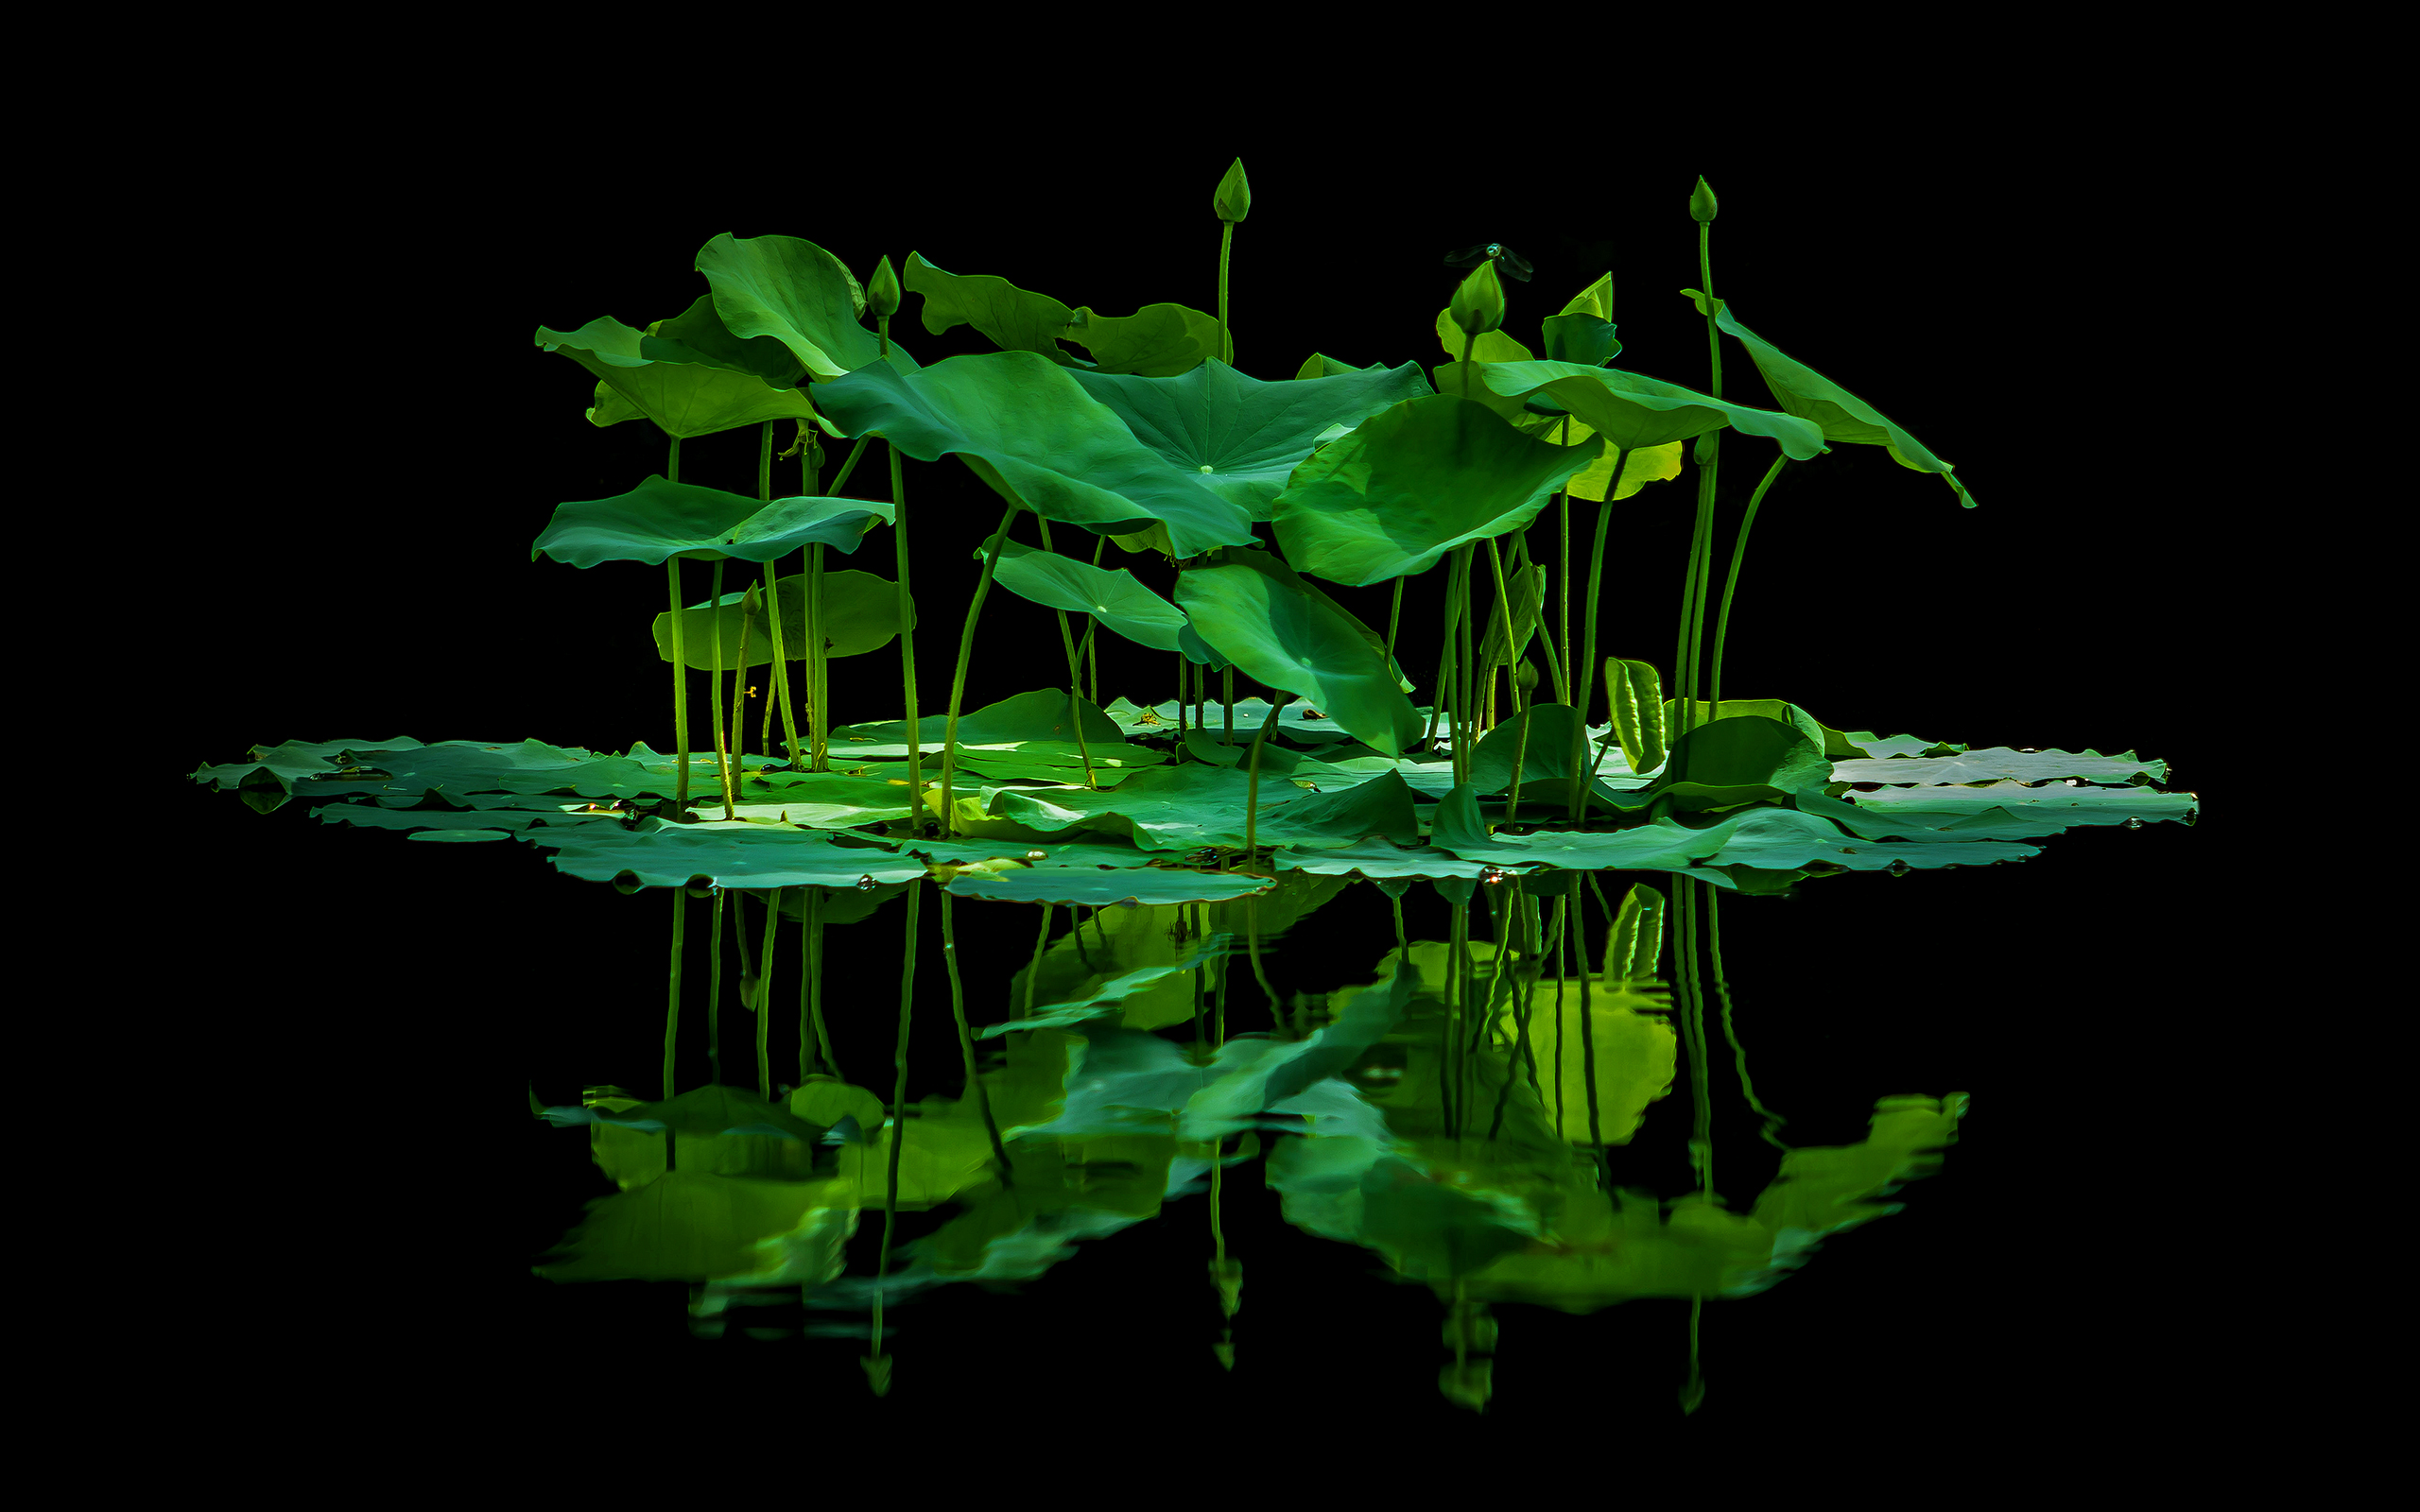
(1227, 704)
(1731, 578)
(1563, 688)
(1583, 672)
(739, 705)
(908, 647)
(680, 666)
(1693, 624)
(981, 1095)
(781, 691)
(1504, 609)
(1251, 795)
(672, 999)
(1226, 243)
(1075, 678)
(848, 465)
(818, 664)
(957, 677)
(1395, 618)
(1092, 652)
(1034, 970)
(1466, 673)
(714, 684)
(1520, 755)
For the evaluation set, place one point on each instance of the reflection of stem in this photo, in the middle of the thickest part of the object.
(1251, 943)
(1033, 971)
(898, 1105)
(1740, 1055)
(958, 678)
(713, 996)
(1693, 1035)
(965, 1042)
(672, 1001)
(1731, 578)
(765, 997)
(810, 995)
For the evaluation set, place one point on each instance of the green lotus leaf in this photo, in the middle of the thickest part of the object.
(1583, 337)
(1187, 807)
(1243, 436)
(1546, 760)
(1319, 365)
(1741, 759)
(1038, 715)
(1257, 612)
(1842, 417)
(1529, 591)
(1996, 811)
(1412, 483)
(661, 519)
(1117, 599)
(698, 334)
(1999, 764)
(1630, 410)
(684, 396)
(1492, 345)
(1296, 720)
(1649, 464)
(1771, 839)
(729, 853)
(1378, 860)
(1101, 889)
(1156, 341)
(798, 294)
(1012, 318)
(860, 615)
(1031, 433)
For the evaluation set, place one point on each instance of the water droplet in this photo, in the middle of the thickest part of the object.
(1205, 467)
(1493, 875)
(2073, 781)
(2133, 824)
(1900, 869)
(1037, 855)
(865, 884)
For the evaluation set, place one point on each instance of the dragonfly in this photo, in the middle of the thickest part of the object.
(1507, 260)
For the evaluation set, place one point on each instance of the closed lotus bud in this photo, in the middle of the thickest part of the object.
(882, 291)
(1526, 673)
(1234, 199)
(1479, 304)
(1702, 202)
(1702, 454)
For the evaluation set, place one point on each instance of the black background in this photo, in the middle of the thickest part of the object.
(370, 577)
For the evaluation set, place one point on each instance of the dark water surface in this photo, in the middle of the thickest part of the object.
(397, 996)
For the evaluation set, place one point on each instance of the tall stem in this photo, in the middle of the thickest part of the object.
(1567, 676)
(1075, 680)
(713, 996)
(907, 622)
(1701, 548)
(975, 1089)
(1226, 245)
(781, 689)
(714, 684)
(1251, 792)
(958, 678)
(739, 704)
(1504, 607)
(1395, 618)
(680, 666)
(818, 661)
(810, 991)
(1583, 672)
(1731, 578)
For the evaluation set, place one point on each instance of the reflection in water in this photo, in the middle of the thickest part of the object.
(1461, 1114)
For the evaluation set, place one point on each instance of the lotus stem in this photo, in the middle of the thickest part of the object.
(958, 678)
(1701, 549)
(1395, 618)
(1180, 708)
(1251, 794)
(898, 1105)
(966, 1044)
(765, 996)
(781, 689)
(1731, 578)
(818, 663)
(1092, 653)
(673, 1000)
(1563, 687)
(848, 465)
(714, 997)
(680, 666)
(907, 644)
(1465, 678)
(1582, 671)
(1520, 755)
(739, 704)
(1226, 245)
(1511, 631)
(1227, 702)
(1033, 971)
(1075, 678)
(713, 683)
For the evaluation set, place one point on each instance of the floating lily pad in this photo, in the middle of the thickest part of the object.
(2000, 764)
(727, 853)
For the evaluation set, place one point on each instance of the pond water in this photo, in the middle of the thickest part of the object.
(1390, 1133)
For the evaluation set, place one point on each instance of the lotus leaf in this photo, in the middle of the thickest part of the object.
(1257, 612)
(1031, 433)
(1413, 482)
(729, 853)
(1630, 410)
(668, 383)
(860, 615)
(801, 296)
(1242, 435)
(661, 519)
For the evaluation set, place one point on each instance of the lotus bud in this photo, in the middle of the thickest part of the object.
(1702, 202)
(1525, 673)
(1479, 304)
(1234, 199)
(882, 291)
(1702, 452)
